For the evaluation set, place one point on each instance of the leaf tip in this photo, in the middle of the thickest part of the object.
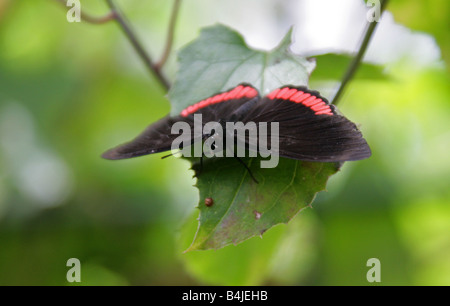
(287, 40)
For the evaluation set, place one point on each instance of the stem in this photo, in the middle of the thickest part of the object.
(129, 33)
(353, 67)
(170, 35)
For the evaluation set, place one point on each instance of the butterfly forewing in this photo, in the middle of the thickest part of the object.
(309, 127)
(158, 137)
(155, 138)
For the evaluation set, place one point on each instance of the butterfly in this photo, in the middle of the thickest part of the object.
(309, 127)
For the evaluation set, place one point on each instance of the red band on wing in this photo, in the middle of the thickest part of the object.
(273, 94)
(238, 92)
(288, 94)
(309, 100)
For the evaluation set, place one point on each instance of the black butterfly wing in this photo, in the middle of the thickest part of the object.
(158, 136)
(310, 129)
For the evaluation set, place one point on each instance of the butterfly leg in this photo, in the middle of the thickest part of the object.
(198, 169)
(248, 169)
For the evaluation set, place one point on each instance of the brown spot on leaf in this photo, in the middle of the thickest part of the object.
(257, 215)
(209, 202)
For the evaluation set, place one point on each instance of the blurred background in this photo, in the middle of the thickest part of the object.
(69, 91)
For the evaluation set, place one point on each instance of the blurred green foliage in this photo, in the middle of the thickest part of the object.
(70, 91)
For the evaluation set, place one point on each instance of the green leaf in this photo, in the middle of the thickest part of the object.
(243, 208)
(216, 61)
(332, 66)
(247, 264)
(425, 16)
(220, 59)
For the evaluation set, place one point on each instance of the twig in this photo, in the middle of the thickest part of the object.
(116, 14)
(97, 20)
(129, 33)
(170, 35)
(357, 59)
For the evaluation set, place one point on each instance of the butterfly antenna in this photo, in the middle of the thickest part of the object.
(171, 154)
(248, 169)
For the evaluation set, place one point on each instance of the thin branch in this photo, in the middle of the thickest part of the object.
(170, 35)
(97, 20)
(353, 67)
(129, 33)
(116, 14)
(92, 19)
